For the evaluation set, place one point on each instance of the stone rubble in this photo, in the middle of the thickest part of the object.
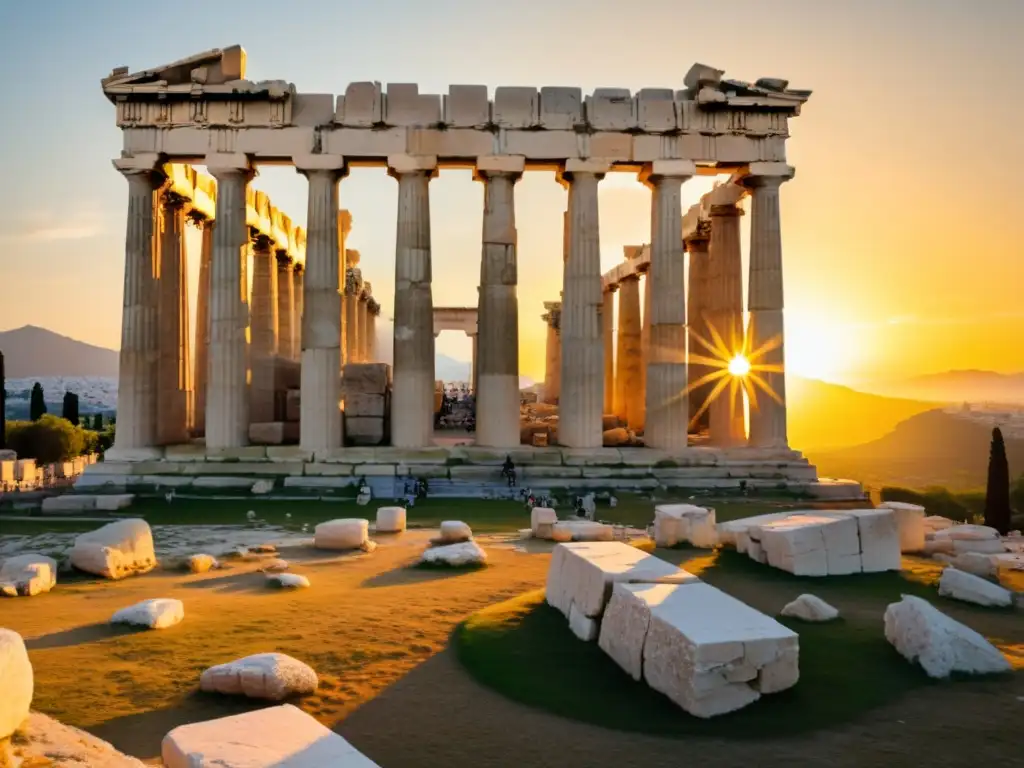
(923, 634)
(345, 533)
(457, 555)
(810, 608)
(390, 519)
(455, 531)
(158, 613)
(684, 524)
(288, 580)
(201, 563)
(48, 742)
(28, 575)
(265, 738)
(972, 589)
(116, 550)
(273, 676)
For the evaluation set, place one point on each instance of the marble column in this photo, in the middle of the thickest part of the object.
(298, 302)
(725, 314)
(373, 309)
(579, 420)
(263, 330)
(361, 323)
(285, 306)
(320, 427)
(697, 306)
(766, 331)
(136, 396)
(202, 366)
(552, 351)
(496, 344)
(227, 396)
(608, 338)
(667, 415)
(629, 360)
(353, 287)
(174, 365)
(412, 393)
(474, 365)
(645, 351)
(344, 227)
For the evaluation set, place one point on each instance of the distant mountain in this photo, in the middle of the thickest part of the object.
(932, 448)
(825, 416)
(959, 386)
(31, 351)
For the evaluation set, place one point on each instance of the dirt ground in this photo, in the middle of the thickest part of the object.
(377, 633)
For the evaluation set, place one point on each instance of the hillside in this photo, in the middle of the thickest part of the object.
(825, 416)
(36, 352)
(960, 386)
(931, 448)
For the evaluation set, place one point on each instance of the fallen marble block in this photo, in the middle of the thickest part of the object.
(274, 737)
(288, 580)
(581, 574)
(684, 524)
(116, 550)
(390, 519)
(542, 520)
(910, 522)
(16, 682)
(114, 501)
(68, 503)
(981, 546)
(262, 487)
(584, 627)
(29, 575)
(44, 741)
(201, 563)
(348, 533)
(560, 534)
(729, 532)
(276, 565)
(879, 539)
(798, 544)
(454, 531)
(936, 546)
(457, 555)
(923, 634)
(978, 563)
(581, 530)
(704, 649)
(273, 676)
(810, 608)
(158, 613)
(972, 589)
(967, 533)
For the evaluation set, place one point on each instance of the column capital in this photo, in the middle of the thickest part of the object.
(224, 163)
(305, 163)
(667, 169)
(149, 162)
(284, 260)
(261, 241)
(596, 167)
(402, 164)
(299, 267)
(499, 165)
(767, 174)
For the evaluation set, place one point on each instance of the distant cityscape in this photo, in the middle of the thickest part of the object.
(1009, 418)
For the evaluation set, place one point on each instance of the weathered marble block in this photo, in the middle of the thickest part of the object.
(16, 682)
(910, 522)
(684, 523)
(346, 533)
(158, 613)
(29, 574)
(367, 378)
(390, 519)
(116, 550)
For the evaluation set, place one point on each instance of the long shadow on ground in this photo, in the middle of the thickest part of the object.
(89, 633)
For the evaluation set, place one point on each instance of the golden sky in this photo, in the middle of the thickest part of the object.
(903, 230)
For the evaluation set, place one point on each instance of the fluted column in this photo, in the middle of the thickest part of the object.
(496, 345)
(285, 306)
(353, 287)
(202, 366)
(725, 315)
(608, 339)
(412, 394)
(227, 396)
(697, 307)
(582, 396)
(668, 411)
(552, 351)
(364, 324)
(629, 360)
(645, 351)
(344, 227)
(298, 303)
(766, 330)
(320, 426)
(371, 331)
(174, 381)
(136, 394)
(263, 331)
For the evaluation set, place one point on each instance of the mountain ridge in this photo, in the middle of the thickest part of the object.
(34, 351)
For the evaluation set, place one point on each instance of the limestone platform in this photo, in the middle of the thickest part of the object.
(463, 470)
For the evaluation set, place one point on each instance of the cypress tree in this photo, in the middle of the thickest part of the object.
(36, 405)
(70, 408)
(97, 422)
(997, 493)
(3, 404)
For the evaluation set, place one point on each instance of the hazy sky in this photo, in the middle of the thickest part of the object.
(903, 231)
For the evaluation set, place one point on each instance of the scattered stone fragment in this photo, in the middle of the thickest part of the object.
(275, 566)
(454, 531)
(288, 580)
(810, 608)
(458, 555)
(273, 676)
(923, 634)
(16, 682)
(581, 530)
(262, 487)
(967, 533)
(542, 520)
(201, 563)
(684, 523)
(368, 546)
(263, 549)
(266, 738)
(116, 550)
(390, 520)
(910, 522)
(158, 613)
(346, 533)
(972, 589)
(29, 575)
(47, 742)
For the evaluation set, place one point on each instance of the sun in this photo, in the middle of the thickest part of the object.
(739, 366)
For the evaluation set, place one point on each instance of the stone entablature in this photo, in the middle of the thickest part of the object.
(456, 319)
(194, 107)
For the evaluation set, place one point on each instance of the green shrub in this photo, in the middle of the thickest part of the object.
(936, 501)
(48, 439)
